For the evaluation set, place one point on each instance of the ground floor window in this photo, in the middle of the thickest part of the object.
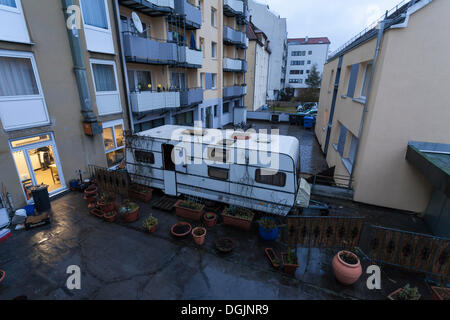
(185, 119)
(114, 142)
(37, 163)
(226, 107)
(138, 127)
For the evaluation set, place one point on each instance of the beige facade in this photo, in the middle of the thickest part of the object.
(43, 139)
(407, 101)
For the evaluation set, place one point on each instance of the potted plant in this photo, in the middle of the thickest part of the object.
(268, 229)
(2, 275)
(106, 202)
(346, 267)
(110, 216)
(210, 219)
(130, 211)
(440, 293)
(150, 224)
(405, 293)
(189, 209)
(140, 192)
(181, 229)
(272, 256)
(224, 245)
(90, 190)
(199, 235)
(97, 212)
(290, 261)
(238, 217)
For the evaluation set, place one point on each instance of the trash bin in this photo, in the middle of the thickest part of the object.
(308, 122)
(41, 198)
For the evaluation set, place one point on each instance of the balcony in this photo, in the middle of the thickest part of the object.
(233, 8)
(150, 51)
(191, 14)
(146, 101)
(189, 97)
(233, 37)
(150, 7)
(234, 91)
(190, 58)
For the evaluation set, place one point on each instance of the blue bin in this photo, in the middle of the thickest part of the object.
(308, 122)
(268, 235)
(29, 209)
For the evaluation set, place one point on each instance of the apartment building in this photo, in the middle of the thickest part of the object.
(382, 90)
(258, 56)
(60, 87)
(187, 64)
(275, 29)
(303, 54)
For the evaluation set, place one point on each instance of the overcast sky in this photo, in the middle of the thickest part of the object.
(339, 20)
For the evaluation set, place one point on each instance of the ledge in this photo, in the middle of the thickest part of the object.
(360, 100)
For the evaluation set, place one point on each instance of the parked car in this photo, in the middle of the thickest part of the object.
(310, 112)
(306, 106)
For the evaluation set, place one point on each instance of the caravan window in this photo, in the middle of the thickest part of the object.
(218, 173)
(144, 156)
(271, 177)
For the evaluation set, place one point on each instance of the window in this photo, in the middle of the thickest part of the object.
(213, 17)
(298, 53)
(352, 80)
(104, 77)
(213, 50)
(294, 72)
(202, 9)
(295, 81)
(310, 52)
(17, 77)
(365, 85)
(178, 80)
(114, 142)
(202, 46)
(8, 3)
(216, 113)
(94, 13)
(301, 71)
(144, 156)
(226, 107)
(214, 79)
(341, 141)
(140, 80)
(218, 173)
(295, 62)
(266, 176)
(307, 71)
(185, 119)
(309, 61)
(143, 126)
(352, 151)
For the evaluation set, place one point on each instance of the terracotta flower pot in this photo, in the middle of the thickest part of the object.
(110, 218)
(97, 212)
(174, 232)
(152, 229)
(440, 293)
(131, 216)
(92, 189)
(224, 245)
(188, 213)
(346, 273)
(141, 196)
(288, 267)
(237, 222)
(272, 256)
(210, 222)
(2, 275)
(199, 239)
(106, 206)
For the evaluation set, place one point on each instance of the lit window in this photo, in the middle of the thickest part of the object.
(114, 141)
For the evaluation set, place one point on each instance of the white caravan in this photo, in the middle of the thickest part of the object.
(218, 165)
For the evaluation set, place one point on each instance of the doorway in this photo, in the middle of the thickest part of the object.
(170, 184)
(209, 118)
(37, 163)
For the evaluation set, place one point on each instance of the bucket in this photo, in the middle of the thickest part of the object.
(29, 209)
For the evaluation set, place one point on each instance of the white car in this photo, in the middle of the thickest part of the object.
(306, 106)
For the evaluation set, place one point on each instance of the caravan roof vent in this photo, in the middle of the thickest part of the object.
(195, 132)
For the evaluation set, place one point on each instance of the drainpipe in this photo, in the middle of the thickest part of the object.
(369, 90)
(80, 73)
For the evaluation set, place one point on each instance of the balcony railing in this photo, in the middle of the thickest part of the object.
(234, 65)
(234, 91)
(231, 36)
(189, 97)
(233, 7)
(150, 7)
(144, 50)
(145, 101)
(190, 58)
(192, 14)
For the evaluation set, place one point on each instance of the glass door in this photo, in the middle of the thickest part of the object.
(23, 170)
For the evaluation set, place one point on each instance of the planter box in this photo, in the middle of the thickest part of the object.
(440, 293)
(188, 213)
(288, 268)
(393, 295)
(141, 196)
(236, 221)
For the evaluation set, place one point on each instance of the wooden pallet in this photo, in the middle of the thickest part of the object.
(165, 203)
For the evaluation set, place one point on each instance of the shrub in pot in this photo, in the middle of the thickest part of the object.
(405, 293)
(189, 209)
(90, 190)
(150, 224)
(141, 193)
(130, 211)
(238, 217)
(290, 261)
(106, 202)
(110, 216)
(199, 235)
(268, 229)
(346, 267)
(210, 219)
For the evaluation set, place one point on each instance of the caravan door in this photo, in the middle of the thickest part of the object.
(170, 183)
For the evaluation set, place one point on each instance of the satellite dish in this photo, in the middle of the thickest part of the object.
(137, 22)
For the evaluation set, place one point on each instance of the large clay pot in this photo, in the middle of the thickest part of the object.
(346, 273)
(199, 239)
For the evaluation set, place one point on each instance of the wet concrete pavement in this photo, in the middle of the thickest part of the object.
(121, 261)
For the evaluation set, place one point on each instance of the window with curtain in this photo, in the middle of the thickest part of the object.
(17, 77)
(94, 13)
(270, 177)
(8, 3)
(104, 76)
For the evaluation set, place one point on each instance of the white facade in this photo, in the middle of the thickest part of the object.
(302, 55)
(276, 31)
(261, 77)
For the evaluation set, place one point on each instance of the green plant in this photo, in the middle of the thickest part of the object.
(267, 223)
(191, 205)
(238, 212)
(129, 206)
(150, 222)
(109, 214)
(408, 293)
(199, 232)
(291, 256)
(209, 216)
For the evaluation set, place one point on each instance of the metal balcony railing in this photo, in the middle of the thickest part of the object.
(150, 7)
(137, 49)
(234, 65)
(234, 91)
(233, 7)
(191, 13)
(146, 101)
(190, 58)
(189, 97)
(238, 38)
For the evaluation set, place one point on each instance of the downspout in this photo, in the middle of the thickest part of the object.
(369, 90)
(124, 64)
(80, 70)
